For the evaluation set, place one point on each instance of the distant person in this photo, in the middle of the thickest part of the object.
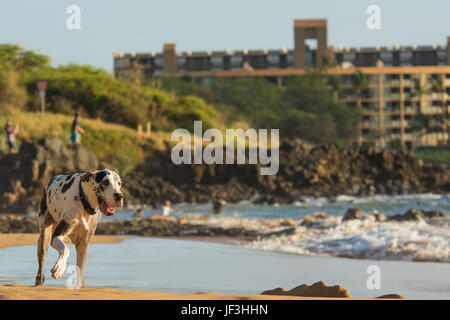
(77, 130)
(139, 213)
(219, 205)
(247, 67)
(11, 135)
(166, 209)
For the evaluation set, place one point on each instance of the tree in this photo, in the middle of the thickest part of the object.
(422, 124)
(335, 84)
(22, 60)
(319, 117)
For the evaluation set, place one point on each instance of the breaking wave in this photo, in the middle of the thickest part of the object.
(327, 235)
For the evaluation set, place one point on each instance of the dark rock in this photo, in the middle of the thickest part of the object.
(391, 296)
(304, 170)
(352, 213)
(24, 173)
(416, 215)
(318, 289)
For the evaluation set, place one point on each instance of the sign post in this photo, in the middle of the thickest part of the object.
(42, 86)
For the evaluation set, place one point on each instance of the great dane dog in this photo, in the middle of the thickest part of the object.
(69, 209)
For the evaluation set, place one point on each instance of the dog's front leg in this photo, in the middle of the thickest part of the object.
(82, 255)
(62, 230)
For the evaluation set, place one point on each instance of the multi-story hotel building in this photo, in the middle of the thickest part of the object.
(401, 82)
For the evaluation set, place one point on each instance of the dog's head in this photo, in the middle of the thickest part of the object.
(107, 187)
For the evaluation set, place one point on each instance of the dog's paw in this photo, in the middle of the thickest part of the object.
(39, 281)
(59, 268)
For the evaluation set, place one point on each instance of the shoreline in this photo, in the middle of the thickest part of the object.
(22, 292)
(8, 240)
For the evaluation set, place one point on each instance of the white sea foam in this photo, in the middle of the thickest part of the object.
(367, 239)
(328, 235)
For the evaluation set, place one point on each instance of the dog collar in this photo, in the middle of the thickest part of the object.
(85, 202)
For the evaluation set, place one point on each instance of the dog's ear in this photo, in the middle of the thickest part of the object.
(100, 175)
(87, 176)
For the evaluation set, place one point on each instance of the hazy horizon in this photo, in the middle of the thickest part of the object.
(201, 25)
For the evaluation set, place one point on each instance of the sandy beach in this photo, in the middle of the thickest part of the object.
(26, 239)
(318, 290)
(20, 292)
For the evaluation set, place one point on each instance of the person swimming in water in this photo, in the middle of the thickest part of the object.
(166, 209)
(219, 205)
(139, 213)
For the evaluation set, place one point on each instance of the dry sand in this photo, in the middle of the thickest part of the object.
(20, 292)
(26, 239)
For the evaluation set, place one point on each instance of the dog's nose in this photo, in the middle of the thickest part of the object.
(118, 196)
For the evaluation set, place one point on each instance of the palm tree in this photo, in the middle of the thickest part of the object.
(335, 83)
(438, 86)
(421, 122)
(360, 83)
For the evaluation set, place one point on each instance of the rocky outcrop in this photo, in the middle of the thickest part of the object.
(321, 290)
(352, 213)
(416, 215)
(318, 290)
(304, 170)
(23, 174)
(154, 226)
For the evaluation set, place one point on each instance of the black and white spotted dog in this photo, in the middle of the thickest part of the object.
(69, 209)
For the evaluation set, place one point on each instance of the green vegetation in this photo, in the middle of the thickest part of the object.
(306, 107)
(438, 154)
(112, 143)
(93, 91)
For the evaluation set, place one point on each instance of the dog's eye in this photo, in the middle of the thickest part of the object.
(119, 184)
(106, 182)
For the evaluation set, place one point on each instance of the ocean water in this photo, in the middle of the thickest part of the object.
(181, 266)
(363, 239)
(386, 204)
(304, 254)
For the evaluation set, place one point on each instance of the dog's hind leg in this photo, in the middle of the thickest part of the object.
(46, 223)
(44, 240)
(61, 231)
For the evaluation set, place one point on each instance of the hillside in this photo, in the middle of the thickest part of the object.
(112, 143)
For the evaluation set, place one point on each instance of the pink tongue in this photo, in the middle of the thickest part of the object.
(105, 209)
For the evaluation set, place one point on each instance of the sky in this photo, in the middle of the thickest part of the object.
(202, 25)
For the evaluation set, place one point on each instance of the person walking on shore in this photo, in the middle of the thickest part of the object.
(77, 130)
(11, 136)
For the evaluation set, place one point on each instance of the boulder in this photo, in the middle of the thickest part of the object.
(26, 172)
(318, 290)
(352, 213)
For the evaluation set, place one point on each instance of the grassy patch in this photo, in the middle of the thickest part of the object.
(437, 154)
(112, 143)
